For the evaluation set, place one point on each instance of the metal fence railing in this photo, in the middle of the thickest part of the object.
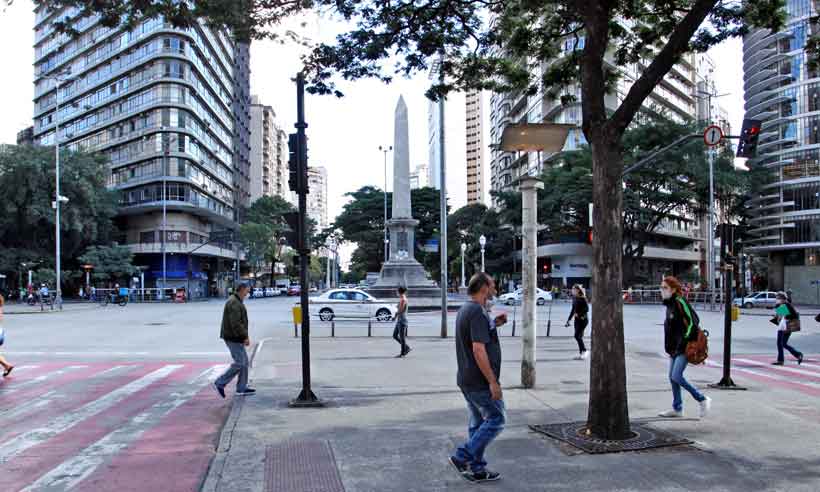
(703, 298)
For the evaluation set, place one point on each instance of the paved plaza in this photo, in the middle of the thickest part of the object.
(100, 389)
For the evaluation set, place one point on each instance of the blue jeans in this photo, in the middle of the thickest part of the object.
(239, 366)
(487, 418)
(676, 367)
(783, 343)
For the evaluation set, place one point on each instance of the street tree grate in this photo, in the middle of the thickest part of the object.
(643, 438)
(301, 466)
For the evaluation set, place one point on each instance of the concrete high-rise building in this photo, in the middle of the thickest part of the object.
(474, 119)
(317, 196)
(169, 109)
(783, 91)
(420, 177)
(269, 159)
(433, 145)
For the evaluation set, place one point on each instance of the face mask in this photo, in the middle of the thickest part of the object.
(666, 293)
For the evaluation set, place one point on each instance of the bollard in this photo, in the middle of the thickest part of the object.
(513, 328)
(369, 328)
(295, 331)
(333, 328)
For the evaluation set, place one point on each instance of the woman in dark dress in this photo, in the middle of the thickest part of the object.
(580, 311)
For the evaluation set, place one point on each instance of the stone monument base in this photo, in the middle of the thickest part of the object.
(407, 273)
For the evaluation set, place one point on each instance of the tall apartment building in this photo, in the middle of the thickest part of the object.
(676, 245)
(434, 149)
(317, 196)
(784, 92)
(474, 118)
(269, 159)
(419, 178)
(168, 108)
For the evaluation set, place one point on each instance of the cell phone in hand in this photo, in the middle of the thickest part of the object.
(501, 319)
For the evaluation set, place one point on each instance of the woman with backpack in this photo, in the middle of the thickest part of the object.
(680, 327)
(786, 318)
(580, 310)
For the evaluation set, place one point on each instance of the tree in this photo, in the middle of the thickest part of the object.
(27, 218)
(466, 225)
(264, 224)
(498, 46)
(111, 263)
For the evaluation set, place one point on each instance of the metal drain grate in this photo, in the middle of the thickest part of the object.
(644, 438)
(301, 466)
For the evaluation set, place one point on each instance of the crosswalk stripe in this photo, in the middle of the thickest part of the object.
(775, 377)
(67, 420)
(73, 471)
(775, 369)
(40, 379)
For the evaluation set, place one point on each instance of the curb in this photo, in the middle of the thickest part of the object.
(48, 311)
(213, 475)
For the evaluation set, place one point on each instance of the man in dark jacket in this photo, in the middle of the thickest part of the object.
(235, 333)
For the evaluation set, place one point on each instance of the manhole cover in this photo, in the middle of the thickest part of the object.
(301, 466)
(644, 438)
(155, 324)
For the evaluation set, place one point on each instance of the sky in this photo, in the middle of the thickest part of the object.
(344, 133)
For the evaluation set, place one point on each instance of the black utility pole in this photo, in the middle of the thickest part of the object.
(306, 397)
(729, 261)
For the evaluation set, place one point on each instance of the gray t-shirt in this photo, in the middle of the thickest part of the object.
(474, 325)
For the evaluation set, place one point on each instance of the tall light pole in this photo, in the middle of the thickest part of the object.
(385, 150)
(483, 242)
(463, 249)
(59, 79)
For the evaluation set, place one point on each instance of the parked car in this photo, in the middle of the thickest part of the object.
(270, 292)
(258, 292)
(511, 298)
(765, 299)
(350, 303)
(294, 290)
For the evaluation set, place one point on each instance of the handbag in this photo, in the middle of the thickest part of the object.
(793, 325)
(697, 350)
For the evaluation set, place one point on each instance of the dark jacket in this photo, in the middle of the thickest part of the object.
(680, 326)
(579, 307)
(234, 321)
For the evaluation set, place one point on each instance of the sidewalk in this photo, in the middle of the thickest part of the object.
(390, 424)
(17, 308)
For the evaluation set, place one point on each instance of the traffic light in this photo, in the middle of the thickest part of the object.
(293, 164)
(749, 134)
(292, 235)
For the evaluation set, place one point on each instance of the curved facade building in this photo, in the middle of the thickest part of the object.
(168, 107)
(784, 93)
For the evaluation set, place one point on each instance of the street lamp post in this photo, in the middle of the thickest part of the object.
(463, 249)
(386, 239)
(483, 242)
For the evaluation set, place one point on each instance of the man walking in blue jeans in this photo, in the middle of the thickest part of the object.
(478, 352)
(235, 333)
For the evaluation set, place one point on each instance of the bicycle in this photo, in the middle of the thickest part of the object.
(122, 301)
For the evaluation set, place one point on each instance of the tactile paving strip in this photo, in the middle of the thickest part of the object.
(301, 466)
(644, 438)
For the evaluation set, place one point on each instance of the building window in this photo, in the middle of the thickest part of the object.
(147, 237)
(812, 256)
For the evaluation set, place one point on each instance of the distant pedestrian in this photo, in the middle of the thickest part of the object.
(580, 311)
(786, 316)
(7, 368)
(235, 333)
(680, 327)
(478, 353)
(400, 332)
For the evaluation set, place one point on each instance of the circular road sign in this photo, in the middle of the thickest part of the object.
(713, 135)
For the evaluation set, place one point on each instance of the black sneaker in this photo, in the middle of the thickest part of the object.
(462, 468)
(219, 389)
(407, 351)
(484, 476)
(247, 392)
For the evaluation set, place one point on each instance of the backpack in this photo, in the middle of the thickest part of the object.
(697, 350)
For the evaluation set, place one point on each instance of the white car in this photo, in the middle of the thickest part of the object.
(270, 292)
(511, 298)
(258, 292)
(350, 303)
(767, 299)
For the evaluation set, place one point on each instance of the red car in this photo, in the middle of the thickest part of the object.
(294, 290)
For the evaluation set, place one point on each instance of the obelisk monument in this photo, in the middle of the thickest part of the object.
(402, 269)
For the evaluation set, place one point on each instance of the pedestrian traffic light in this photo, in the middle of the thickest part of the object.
(749, 135)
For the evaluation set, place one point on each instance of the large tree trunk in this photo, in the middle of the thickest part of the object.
(608, 416)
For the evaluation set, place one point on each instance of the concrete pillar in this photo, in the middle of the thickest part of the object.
(529, 264)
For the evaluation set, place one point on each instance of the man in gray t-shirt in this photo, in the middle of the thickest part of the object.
(478, 353)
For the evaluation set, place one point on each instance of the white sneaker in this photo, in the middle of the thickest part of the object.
(578, 357)
(705, 406)
(584, 354)
(671, 414)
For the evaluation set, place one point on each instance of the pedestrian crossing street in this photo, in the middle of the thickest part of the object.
(108, 426)
(757, 370)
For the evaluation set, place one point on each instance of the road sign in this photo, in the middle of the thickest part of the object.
(713, 135)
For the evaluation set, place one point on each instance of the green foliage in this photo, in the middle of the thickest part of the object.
(466, 225)
(110, 262)
(264, 225)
